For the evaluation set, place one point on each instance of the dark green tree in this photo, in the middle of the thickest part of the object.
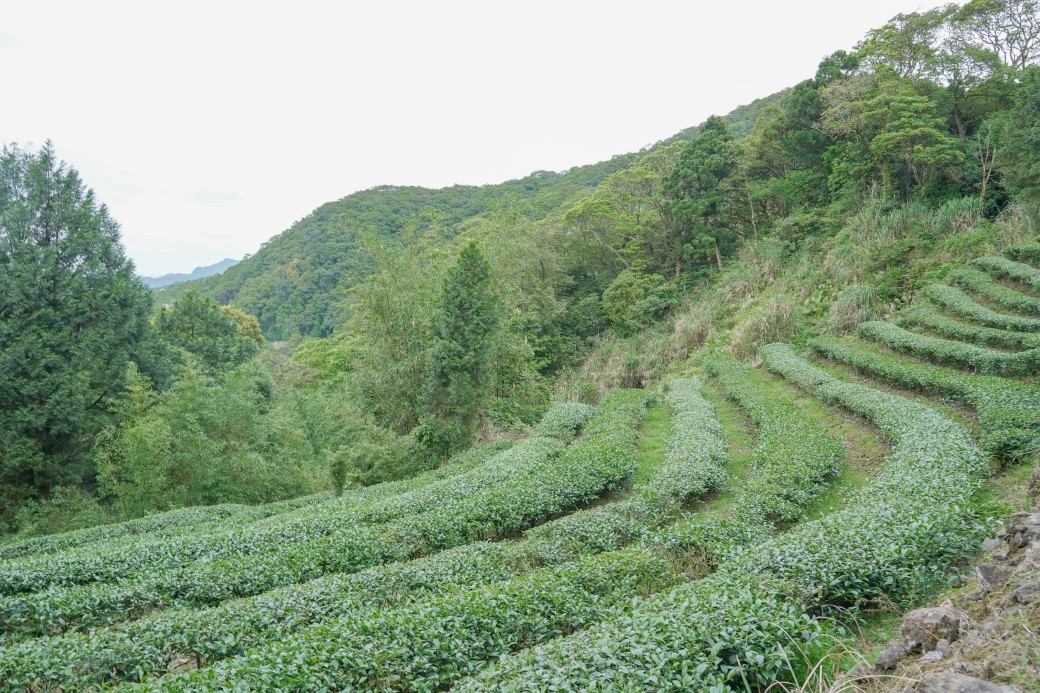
(1018, 156)
(465, 331)
(697, 205)
(72, 315)
(220, 338)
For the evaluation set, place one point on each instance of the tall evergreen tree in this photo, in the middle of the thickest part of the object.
(72, 315)
(696, 203)
(466, 326)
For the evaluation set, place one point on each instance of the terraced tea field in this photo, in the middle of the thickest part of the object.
(606, 551)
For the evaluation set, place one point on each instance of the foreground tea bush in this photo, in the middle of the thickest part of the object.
(959, 303)
(710, 635)
(896, 538)
(599, 462)
(960, 354)
(928, 318)
(59, 608)
(794, 454)
(1009, 411)
(989, 288)
(145, 647)
(747, 625)
(121, 559)
(1025, 252)
(428, 644)
(469, 472)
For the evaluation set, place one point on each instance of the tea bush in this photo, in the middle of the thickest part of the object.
(1008, 411)
(953, 353)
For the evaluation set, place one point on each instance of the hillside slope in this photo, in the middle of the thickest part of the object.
(295, 284)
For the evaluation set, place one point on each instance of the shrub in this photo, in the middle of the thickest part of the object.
(1009, 411)
(794, 453)
(930, 319)
(992, 290)
(170, 523)
(696, 456)
(747, 625)
(1008, 269)
(536, 485)
(960, 354)
(426, 645)
(956, 301)
(1025, 252)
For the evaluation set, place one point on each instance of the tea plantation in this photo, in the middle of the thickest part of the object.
(578, 558)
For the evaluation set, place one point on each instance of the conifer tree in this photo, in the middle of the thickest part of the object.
(72, 315)
(465, 327)
(696, 204)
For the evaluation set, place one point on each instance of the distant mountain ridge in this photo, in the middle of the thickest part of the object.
(197, 273)
(298, 282)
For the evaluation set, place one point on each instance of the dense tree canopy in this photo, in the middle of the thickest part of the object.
(72, 316)
(698, 207)
(415, 343)
(220, 337)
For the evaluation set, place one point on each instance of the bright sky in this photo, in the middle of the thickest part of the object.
(208, 127)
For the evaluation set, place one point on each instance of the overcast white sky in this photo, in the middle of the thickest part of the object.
(208, 127)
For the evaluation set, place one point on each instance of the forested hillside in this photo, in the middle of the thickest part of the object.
(296, 283)
(706, 417)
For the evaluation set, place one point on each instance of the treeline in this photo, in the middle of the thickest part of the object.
(419, 321)
(931, 109)
(109, 408)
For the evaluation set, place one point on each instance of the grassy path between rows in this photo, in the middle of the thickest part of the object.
(653, 442)
(740, 441)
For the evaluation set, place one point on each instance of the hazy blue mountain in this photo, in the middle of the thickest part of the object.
(197, 273)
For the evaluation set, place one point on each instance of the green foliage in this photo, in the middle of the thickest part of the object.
(994, 291)
(896, 538)
(794, 454)
(73, 314)
(1007, 269)
(1008, 413)
(464, 328)
(954, 353)
(532, 484)
(219, 338)
(634, 300)
(696, 205)
(734, 628)
(1025, 252)
(695, 460)
(930, 319)
(203, 442)
(66, 509)
(564, 420)
(710, 635)
(956, 301)
(427, 645)
(184, 520)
